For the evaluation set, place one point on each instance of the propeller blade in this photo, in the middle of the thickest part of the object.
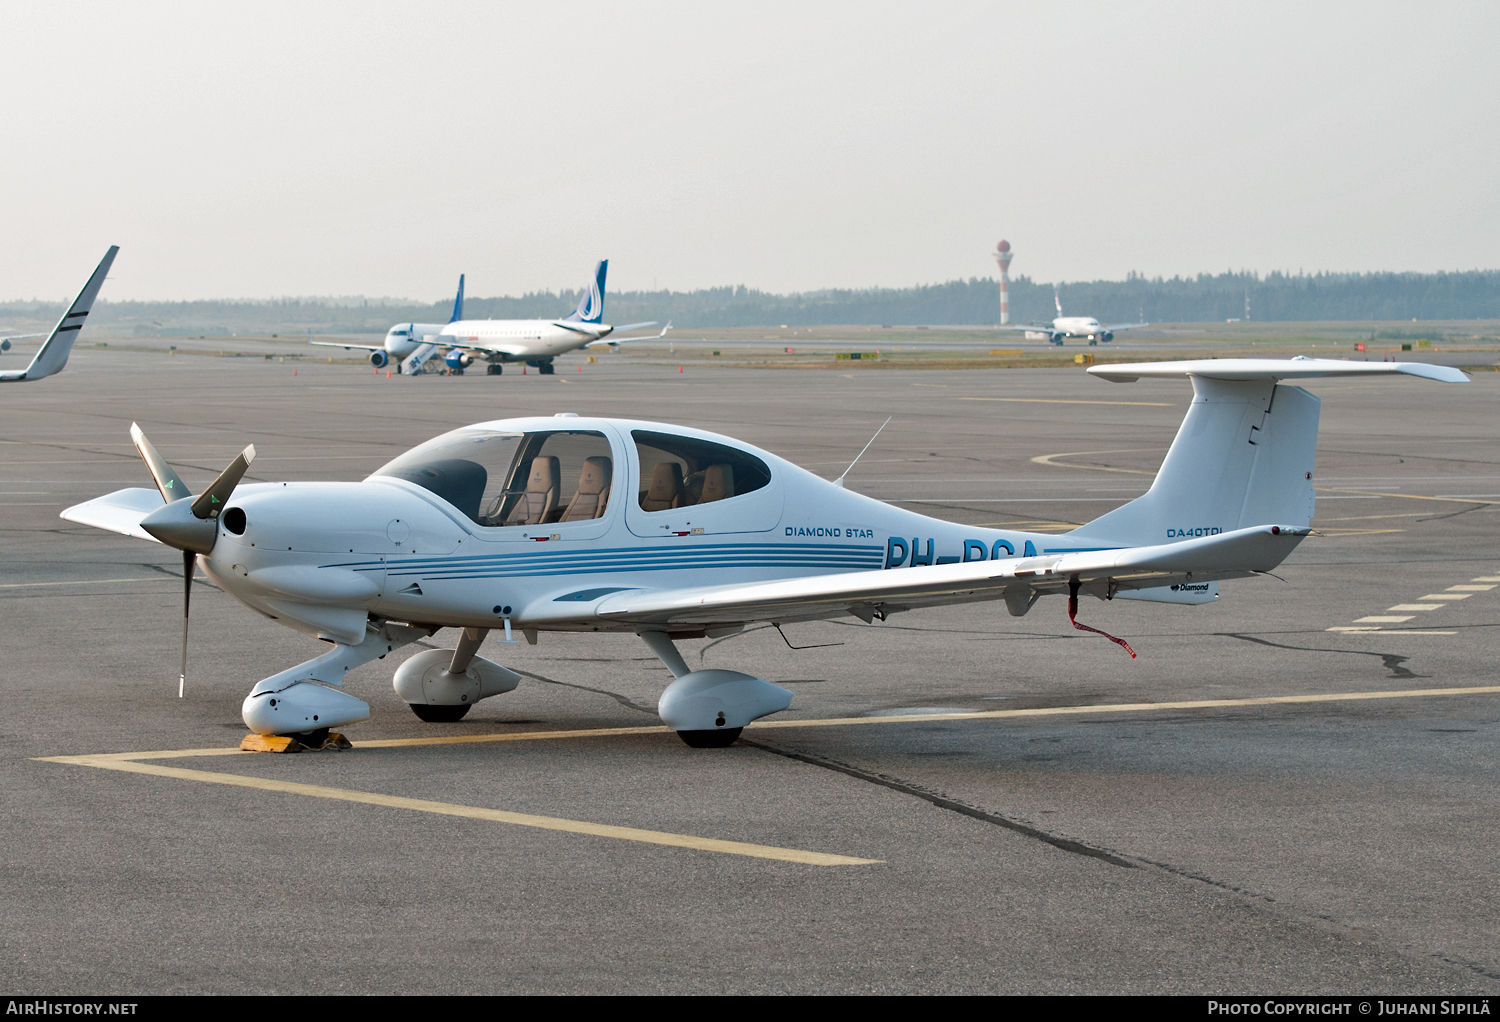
(167, 481)
(210, 502)
(189, 565)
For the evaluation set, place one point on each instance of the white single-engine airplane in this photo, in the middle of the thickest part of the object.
(536, 342)
(52, 356)
(571, 524)
(1064, 327)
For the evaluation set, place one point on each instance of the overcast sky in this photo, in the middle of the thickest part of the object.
(373, 148)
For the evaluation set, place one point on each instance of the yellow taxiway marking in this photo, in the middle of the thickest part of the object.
(1405, 496)
(88, 582)
(1066, 401)
(1370, 629)
(129, 763)
(134, 762)
(1446, 596)
(1470, 589)
(1047, 459)
(106, 759)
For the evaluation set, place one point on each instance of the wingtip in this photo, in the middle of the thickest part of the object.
(249, 454)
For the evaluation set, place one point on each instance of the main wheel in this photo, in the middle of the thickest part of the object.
(495, 369)
(439, 714)
(719, 738)
(546, 369)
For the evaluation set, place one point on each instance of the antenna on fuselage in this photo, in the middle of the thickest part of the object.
(839, 482)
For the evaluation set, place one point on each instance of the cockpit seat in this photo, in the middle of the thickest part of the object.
(593, 491)
(718, 483)
(666, 488)
(540, 498)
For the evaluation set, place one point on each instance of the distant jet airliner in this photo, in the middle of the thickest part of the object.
(403, 338)
(1064, 327)
(52, 356)
(536, 342)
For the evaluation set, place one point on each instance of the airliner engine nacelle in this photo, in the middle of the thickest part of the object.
(378, 359)
(5, 345)
(1106, 336)
(458, 359)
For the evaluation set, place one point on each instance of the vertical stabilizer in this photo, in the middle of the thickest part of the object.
(1242, 457)
(591, 302)
(458, 303)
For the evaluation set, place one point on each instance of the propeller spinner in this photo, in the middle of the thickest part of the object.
(191, 526)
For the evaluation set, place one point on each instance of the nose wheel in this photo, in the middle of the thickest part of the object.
(721, 738)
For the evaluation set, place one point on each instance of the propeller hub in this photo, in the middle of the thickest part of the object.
(177, 526)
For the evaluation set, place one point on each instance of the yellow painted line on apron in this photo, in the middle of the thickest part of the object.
(90, 582)
(1404, 496)
(1047, 459)
(132, 762)
(99, 759)
(127, 763)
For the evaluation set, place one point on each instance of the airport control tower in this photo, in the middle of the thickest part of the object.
(1003, 256)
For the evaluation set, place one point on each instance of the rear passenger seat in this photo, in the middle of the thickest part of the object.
(666, 488)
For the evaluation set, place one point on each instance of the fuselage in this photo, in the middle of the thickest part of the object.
(1077, 326)
(516, 340)
(424, 541)
(404, 338)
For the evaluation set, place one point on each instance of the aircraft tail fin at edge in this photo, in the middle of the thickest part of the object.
(591, 302)
(458, 303)
(52, 356)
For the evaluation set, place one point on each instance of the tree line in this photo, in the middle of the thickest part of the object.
(1466, 295)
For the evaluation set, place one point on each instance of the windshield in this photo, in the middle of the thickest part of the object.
(467, 468)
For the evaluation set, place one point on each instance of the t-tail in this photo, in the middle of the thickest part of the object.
(591, 303)
(1243, 456)
(458, 302)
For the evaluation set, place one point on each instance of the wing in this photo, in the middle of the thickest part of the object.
(864, 594)
(1124, 326)
(1299, 368)
(120, 511)
(611, 341)
(346, 347)
(19, 337)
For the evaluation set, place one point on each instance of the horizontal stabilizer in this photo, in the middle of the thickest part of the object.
(120, 511)
(1248, 369)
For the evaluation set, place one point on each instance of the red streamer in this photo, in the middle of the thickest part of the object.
(1073, 617)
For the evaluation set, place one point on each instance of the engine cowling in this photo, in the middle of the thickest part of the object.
(378, 359)
(458, 359)
(5, 345)
(1106, 337)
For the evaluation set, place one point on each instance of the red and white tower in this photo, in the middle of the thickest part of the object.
(1003, 256)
